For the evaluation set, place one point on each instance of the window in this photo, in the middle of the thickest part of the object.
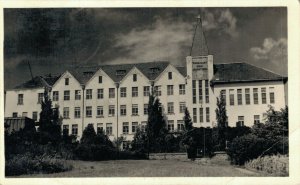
(170, 125)
(77, 94)
(14, 114)
(255, 95)
(123, 110)
(134, 127)
(200, 91)
(194, 91)
(207, 114)
(146, 90)
(91, 124)
(263, 95)
(170, 75)
(239, 96)
(231, 96)
(77, 112)
(111, 110)
(100, 79)
(100, 93)
(40, 97)
(256, 119)
(201, 115)
(66, 95)
(20, 99)
(24, 114)
(111, 92)
(88, 111)
(99, 128)
(125, 127)
(272, 95)
(170, 90)
(109, 129)
(181, 107)
(134, 77)
(99, 111)
(170, 108)
(135, 109)
(74, 129)
(89, 94)
(180, 125)
(65, 129)
(66, 113)
(223, 95)
(121, 72)
(157, 90)
(195, 115)
(240, 122)
(66, 81)
(247, 96)
(123, 91)
(143, 126)
(55, 96)
(154, 70)
(206, 92)
(145, 109)
(135, 92)
(181, 89)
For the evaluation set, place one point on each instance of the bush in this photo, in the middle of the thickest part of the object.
(27, 164)
(245, 148)
(276, 164)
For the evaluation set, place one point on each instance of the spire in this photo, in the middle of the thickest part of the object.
(199, 47)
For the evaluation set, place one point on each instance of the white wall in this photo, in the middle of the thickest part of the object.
(248, 111)
(30, 102)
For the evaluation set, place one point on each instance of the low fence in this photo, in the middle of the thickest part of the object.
(168, 156)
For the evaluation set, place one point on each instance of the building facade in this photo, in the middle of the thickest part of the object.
(114, 98)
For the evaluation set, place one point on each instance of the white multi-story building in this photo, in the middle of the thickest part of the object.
(115, 97)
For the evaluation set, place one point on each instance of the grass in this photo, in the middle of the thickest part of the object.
(149, 168)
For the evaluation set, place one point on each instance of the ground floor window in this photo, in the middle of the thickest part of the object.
(134, 127)
(99, 127)
(74, 129)
(126, 145)
(65, 129)
(171, 125)
(256, 119)
(109, 129)
(180, 125)
(240, 122)
(125, 128)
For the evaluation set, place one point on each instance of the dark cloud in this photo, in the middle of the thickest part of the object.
(55, 39)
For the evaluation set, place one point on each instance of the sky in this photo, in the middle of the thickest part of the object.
(53, 40)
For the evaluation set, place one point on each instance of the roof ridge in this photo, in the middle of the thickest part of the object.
(98, 66)
(266, 70)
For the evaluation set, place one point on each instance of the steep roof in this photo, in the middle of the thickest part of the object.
(242, 72)
(199, 46)
(38, 82)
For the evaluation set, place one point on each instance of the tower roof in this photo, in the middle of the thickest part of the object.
(199, 46)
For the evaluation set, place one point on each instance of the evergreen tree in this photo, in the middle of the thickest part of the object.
(156, 125)
(222, 124)
(50, 124)
(188, 123)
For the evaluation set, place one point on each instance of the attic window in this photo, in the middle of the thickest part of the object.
(88, 73)
(154, 69)
(120, 72)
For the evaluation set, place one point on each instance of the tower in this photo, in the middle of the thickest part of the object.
(199, 66)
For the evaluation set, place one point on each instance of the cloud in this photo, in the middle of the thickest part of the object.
(272, 51)
(222, 21)
(163, 40)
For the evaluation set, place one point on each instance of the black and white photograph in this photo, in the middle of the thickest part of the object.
(146, 92)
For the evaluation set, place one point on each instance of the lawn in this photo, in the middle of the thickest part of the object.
(150, 168)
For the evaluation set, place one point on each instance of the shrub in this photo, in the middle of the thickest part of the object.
(276, 164)
(27, 164)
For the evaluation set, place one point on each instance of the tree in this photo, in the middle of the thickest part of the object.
(188, 123)
(50, 124)
(222, 124)
(139, 142)
(156, 125)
